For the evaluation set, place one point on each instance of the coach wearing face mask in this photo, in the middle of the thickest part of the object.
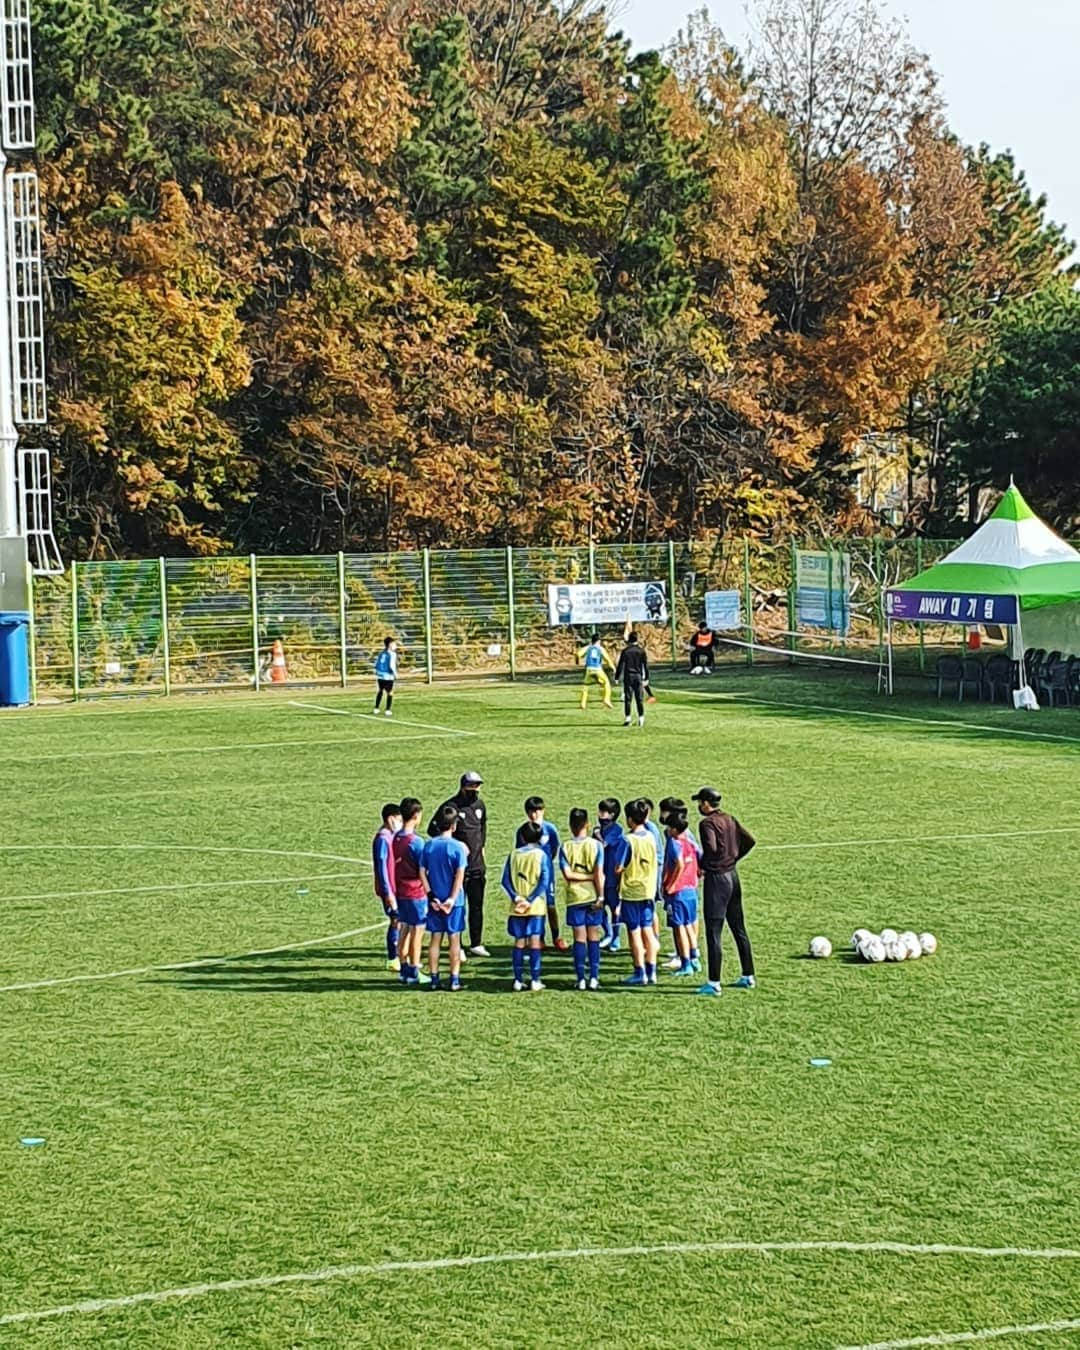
(723, 843)
(472, 831)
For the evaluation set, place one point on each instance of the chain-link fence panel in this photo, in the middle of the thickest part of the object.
(212, 639)
(384, 597)
(299, 604)
(119, 642)
(641, 562)
(470, 611)
(719, 565)
(54, 654)
(538, 644)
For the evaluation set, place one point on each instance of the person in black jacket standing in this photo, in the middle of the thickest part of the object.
(723, 843)
(633, 670)
(471, 829)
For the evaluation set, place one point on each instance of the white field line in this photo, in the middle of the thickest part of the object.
(183, 886)
(189, 965)
(182, 848)
(220, 749)
(375, 717)
(328, 1273)
(988, 728)
(963, 1337)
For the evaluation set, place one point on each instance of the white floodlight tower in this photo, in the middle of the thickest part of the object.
(25, 490)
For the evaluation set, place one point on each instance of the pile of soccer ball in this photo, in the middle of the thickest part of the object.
(888, 945)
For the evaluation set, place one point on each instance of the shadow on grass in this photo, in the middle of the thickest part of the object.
(838, 699)
(345, 970)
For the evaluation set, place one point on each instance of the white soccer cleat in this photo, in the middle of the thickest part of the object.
(518, 986)
(582, 985)
(389, 713)
(674, 964)
(820, 948)
(594, 984)
(535, 986)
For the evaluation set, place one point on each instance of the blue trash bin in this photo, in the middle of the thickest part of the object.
(14, 658)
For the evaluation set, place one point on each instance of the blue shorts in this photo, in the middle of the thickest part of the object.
(525, 925)
(585, 916)
(638, 913)
(682, 908)
(454, 922)
(412, 913)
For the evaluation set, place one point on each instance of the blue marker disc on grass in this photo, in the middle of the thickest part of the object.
(820, 1063)
(31, 1143)
(303, 890)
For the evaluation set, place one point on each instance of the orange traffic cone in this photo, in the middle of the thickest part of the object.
(279, 671)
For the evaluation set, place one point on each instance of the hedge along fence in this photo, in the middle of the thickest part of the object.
(166, 624)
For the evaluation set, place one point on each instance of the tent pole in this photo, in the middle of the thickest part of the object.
(889, 640)
(1021, 675)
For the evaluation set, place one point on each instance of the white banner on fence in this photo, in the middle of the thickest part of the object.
(611, 602)
(723, 609)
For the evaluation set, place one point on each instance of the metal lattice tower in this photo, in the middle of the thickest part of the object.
(25, 487)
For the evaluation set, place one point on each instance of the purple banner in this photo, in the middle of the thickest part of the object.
(950, 607)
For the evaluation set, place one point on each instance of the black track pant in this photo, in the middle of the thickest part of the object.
(385, 687)
(475, 883)
(723, 901)
(702, 658)
(632, 690)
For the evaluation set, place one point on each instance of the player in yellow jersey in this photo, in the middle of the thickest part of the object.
(637, 867)
(581, 861)
(527, 880)
(595, 659)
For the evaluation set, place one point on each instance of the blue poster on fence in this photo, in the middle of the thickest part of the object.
(723, 610)
(822, 590)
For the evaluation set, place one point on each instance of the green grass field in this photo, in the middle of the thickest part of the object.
(287, 1110)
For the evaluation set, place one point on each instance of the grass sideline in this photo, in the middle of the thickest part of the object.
(281, 1108)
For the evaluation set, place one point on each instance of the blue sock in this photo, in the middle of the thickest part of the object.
(519, 964)
(687, 963)
(435, 980)
(594, 960)
(695, 955)
(650, 970)
(579, 959)
(391, 940)
(534, 962)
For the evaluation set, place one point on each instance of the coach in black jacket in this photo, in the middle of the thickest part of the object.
(472, 831)
(633, 670)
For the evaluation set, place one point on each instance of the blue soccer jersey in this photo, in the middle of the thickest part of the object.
(611, 836)
(386, 665)
(442, 858)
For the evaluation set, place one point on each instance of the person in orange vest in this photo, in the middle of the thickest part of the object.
(703, 650)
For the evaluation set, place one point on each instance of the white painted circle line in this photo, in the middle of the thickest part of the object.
(189, 965)
(328, 1273)
(175, 886)
(965, 1337)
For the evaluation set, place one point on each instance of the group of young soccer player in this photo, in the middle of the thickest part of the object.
(610, 876)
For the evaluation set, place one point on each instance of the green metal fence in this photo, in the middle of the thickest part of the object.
(171, 624)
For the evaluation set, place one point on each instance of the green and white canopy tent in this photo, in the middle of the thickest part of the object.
(1014, 571)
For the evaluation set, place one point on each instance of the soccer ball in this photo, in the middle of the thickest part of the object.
(895, 950)
(872, 950)
(888, 935)
(820, 947)
(914, 947)
(859, 937)
(928, 943)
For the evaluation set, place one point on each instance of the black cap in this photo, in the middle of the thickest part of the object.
(707, 794)
(471, 779)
